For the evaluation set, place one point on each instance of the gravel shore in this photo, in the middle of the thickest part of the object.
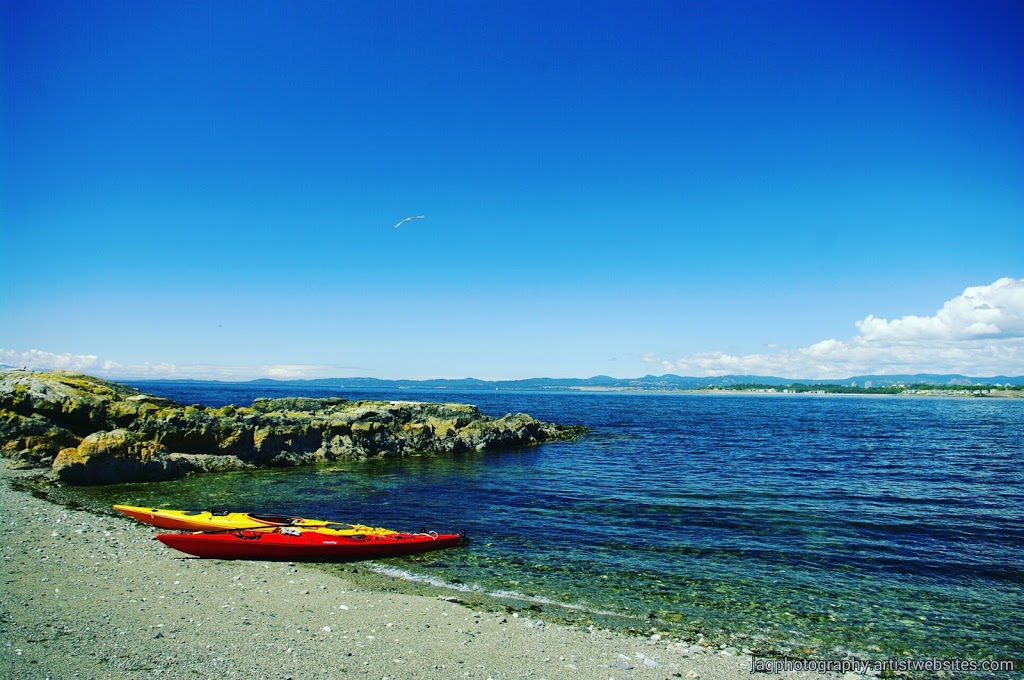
(93, 596)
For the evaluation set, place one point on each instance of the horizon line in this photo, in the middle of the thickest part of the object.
(649, 376)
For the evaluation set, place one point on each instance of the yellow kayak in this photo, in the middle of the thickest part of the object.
(192, 520)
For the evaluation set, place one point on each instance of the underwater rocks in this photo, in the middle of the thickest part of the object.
(91, 431)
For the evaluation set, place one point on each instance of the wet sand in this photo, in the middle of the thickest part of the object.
(94, 596)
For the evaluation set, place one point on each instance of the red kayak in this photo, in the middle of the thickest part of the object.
(290, 543)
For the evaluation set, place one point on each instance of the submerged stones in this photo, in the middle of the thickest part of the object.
(91, 431)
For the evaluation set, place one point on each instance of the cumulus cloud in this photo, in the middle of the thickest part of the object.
(993, 311)
(980, 332)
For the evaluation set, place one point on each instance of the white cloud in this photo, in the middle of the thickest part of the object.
(994, 311)
(297, 371)
(979, 333)
(40, 360)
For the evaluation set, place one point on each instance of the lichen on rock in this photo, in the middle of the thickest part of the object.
(92, 431)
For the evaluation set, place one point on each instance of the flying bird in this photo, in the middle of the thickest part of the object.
(414, 217)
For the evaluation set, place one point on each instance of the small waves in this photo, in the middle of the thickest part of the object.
(510, 595)
(813, 523)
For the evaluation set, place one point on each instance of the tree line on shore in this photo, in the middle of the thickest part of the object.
(820, 388)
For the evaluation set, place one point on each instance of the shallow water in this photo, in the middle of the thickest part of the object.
(813, 525)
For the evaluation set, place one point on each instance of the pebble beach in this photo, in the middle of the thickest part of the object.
(94, 596)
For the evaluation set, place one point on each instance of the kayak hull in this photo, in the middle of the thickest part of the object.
(188, 520)
(309, 546)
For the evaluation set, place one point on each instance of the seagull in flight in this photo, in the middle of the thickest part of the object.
(414, 217)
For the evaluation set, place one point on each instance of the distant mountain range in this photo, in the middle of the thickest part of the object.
(647, 382)
(655, 382)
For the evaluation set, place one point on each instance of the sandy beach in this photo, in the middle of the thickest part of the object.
(94, 596)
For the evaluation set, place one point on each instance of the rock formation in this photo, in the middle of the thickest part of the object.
(91, 431)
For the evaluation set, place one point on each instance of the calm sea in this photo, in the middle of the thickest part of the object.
(815, 525)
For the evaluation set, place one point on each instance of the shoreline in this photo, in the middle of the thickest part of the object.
(942, 394)
(93, 595)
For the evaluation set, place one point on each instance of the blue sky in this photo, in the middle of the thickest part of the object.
(804, 189)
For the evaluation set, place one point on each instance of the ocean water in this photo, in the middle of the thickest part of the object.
(806, 525)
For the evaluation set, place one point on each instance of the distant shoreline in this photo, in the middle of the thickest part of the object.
(670, 382)
(996, 394)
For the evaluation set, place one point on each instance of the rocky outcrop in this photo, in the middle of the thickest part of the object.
(91, 431)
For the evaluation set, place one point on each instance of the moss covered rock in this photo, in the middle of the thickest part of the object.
(96, 432)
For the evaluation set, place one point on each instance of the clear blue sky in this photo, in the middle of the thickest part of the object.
(210, 188)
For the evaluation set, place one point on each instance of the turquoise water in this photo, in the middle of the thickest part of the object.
(784, 524)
